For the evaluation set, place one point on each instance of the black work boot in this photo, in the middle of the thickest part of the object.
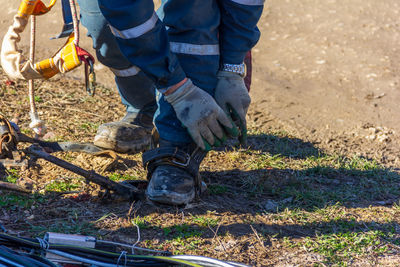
(174, 173)
(131, 134)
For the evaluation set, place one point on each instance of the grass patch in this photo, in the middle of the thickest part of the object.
(216, 189)
(321, 201)
(316, 181)
(89, 126)
(182, 231)
(38, 99)
(341, 247)
(266, 161)
(204, 221)
(12, 176)
(332, 166)
(63, 185)
(11, 201)
(67, 227)
(182, 245)
(116, 177)
(141, 222)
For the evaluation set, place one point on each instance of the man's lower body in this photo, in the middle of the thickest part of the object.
(173, 168)
(133, 132)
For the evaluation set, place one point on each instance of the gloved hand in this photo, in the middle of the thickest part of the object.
(201, 115)
(232, 96)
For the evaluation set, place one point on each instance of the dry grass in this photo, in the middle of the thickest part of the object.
(280, 202)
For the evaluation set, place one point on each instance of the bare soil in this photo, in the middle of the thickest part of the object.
(329, 71)
(325, 82)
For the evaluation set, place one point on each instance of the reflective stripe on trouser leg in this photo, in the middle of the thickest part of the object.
(136, 92)
(107, 50)
(193, 33)
(131, 71)
(143, 39)
(136, 31)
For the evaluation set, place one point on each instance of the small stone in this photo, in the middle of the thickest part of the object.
(49, 136)
(271, 205)
(287, 200)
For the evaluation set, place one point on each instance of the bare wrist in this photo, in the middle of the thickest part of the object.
(174, 87)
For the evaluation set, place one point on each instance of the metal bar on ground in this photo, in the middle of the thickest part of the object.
(122, 190)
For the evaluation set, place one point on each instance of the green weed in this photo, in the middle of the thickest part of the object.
(67, 227)
(141, 222)
(340, 247)
(216, 189)
(205, 221)
(12, 201)
(122, 177)
(265, 161)
(181, 230)
(63, 185)
(89, 126)
(38, 99)
(12, 176)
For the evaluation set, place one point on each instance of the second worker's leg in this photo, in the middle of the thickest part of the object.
(132, 133)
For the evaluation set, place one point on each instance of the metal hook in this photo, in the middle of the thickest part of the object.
(90, 78)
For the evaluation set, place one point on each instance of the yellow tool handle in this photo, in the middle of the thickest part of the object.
(34, 7)
(65, 60)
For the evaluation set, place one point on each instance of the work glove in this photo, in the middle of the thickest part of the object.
(232, 96)
(205, 121)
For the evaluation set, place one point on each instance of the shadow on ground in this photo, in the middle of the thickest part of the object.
(306, 180)
(285, 146)
(277, 145)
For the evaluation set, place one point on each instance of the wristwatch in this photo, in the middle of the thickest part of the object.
(235, 68)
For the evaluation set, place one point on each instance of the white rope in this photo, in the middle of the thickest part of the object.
(36, 124)
(133, 246)
(32, 59)
(123, 254)
(43, 243)
(138, 238)
(75, 21)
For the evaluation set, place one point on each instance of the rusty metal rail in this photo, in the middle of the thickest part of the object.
(11, 157)
(125, 191)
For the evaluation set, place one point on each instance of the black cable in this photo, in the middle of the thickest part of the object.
(20, 240)
(34, 261)
(68, 248)
(13, 256)
(3, 228)
(42, 260)
(128, 262)
(8, 263)
(39, 244)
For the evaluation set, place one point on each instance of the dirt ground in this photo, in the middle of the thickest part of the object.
(321, 167)
(329, 70)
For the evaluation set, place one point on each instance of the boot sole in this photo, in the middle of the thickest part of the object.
(170, 198)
